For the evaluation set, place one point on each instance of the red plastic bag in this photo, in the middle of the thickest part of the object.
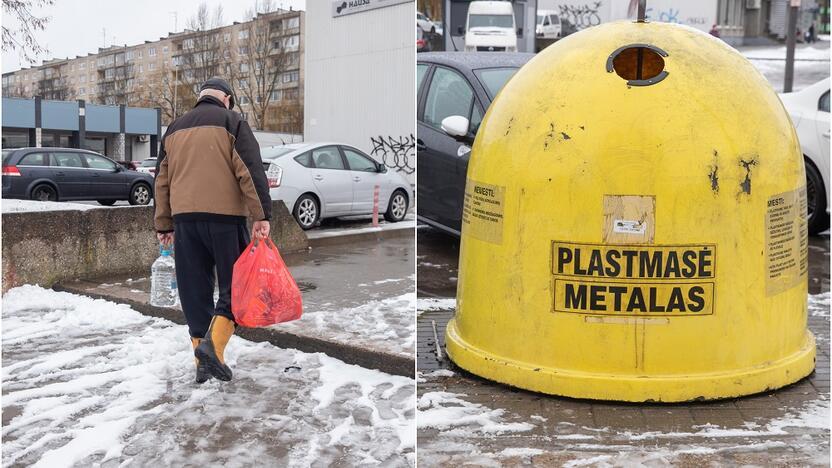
(263, 291)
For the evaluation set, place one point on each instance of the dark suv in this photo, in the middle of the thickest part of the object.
(52, 174)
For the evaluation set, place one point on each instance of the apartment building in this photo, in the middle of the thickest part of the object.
(262, 58)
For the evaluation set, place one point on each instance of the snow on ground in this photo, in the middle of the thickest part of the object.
(811, 64)
(444, 410)
(382, 323)
(819, 304)
(88, 382)
(17, 206)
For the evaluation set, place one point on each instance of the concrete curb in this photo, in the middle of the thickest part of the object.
(362, 236)
(389, 363)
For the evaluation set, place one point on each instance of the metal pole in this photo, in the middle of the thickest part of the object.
(175, 88)
(642, 10)
(791, 34)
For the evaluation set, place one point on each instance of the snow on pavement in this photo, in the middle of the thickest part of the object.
(17, 206)
(811, 64)
(93, 382)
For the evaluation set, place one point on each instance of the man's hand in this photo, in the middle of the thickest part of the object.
(261, 229)
(165, 238)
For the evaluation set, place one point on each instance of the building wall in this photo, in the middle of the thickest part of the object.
(360, 81)
(87, 77)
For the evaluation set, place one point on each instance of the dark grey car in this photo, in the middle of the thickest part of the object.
(59, 174)
(450, 84)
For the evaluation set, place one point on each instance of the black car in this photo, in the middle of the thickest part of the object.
(53, 174)
(460, 85)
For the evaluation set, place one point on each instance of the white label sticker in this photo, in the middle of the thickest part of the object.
(623, 226)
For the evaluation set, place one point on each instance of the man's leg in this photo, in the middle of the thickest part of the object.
(227, 242)
(194, 276)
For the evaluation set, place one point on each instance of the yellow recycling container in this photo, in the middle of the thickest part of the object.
(634, 225)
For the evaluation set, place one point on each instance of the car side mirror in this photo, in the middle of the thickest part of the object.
(381, 168)
(456, 126)
(460, 30)
(118, 168)
(519, 32)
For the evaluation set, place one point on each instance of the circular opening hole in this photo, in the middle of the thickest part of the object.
(638, 63)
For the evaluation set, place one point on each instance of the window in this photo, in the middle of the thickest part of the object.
(188, 44)
(226, 37)
(244, 100)
(276, 95)
(139, 55)
(83, 78)
(151, 52)
(165, 50)
(67, 160)
(244, 67)
(141, 68)
(243, 34)
(327, 157)
(34, 159)
(243, 50)
(291, 42)
(823, 104)
(291, 76)
(82, 91)
(359, 162)
(449, 94)
(291, 23)
(421, 69)
(98, 162)
(243, 84)
(305, 160)
(82, 65)
(493, 79)
(152, 66)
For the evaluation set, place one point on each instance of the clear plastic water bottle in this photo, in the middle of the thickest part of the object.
(163, 291)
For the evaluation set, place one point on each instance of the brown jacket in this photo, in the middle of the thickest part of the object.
(209, 169)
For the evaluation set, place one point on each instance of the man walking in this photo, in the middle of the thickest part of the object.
(209, 179)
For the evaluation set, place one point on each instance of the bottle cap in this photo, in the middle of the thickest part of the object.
(164, 250)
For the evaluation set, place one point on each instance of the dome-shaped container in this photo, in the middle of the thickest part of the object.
(634, 225)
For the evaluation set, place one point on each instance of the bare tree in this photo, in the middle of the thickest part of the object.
(203, 50)
(159, 89)
(264, 59)
(54, 85)
(22, 38)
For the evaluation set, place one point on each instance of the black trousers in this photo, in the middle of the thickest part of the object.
(199, 248)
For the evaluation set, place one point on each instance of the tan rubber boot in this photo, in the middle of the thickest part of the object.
(202, 374)
(210, 350)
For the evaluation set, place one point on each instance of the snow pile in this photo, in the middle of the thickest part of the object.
(425, 304)
(444, 410)
(384, 323)
(819, 304)
(86, 381)
(17, 206)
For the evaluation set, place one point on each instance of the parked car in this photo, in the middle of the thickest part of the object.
(809, 111)
(548, 24)
(454, 91)
(422, 42)
(148, 166)
(490, 27)
(58, 174)
(425, 23)
(325, 180)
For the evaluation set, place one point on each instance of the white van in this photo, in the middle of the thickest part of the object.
(548, 24)
(490, 27)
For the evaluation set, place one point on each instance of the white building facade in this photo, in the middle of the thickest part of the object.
(360, 86)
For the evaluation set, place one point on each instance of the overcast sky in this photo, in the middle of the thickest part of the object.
(76, 26)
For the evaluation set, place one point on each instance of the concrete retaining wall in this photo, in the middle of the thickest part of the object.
(51, 246)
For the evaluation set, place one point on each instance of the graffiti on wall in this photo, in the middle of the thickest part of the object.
(671, 14)
(581, 16)
(395, 152)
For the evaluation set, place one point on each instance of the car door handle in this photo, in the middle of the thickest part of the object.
(357, 179)
(826, 134)
(95, 174)
(318, 177)
(60, 174)
(420, 145)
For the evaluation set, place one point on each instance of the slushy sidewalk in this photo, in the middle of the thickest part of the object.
(93, 383)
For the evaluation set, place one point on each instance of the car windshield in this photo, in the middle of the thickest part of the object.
(493, 79)
(493, 21)
(275, 152)
(540, 19)
(149, 163)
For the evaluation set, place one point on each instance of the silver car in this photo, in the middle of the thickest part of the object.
(325, 180)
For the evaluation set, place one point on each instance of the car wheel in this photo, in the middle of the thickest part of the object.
(44, 192)
(397, 207)
(817, 218)
(107, 202)
(140, 194)
(307, 211)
